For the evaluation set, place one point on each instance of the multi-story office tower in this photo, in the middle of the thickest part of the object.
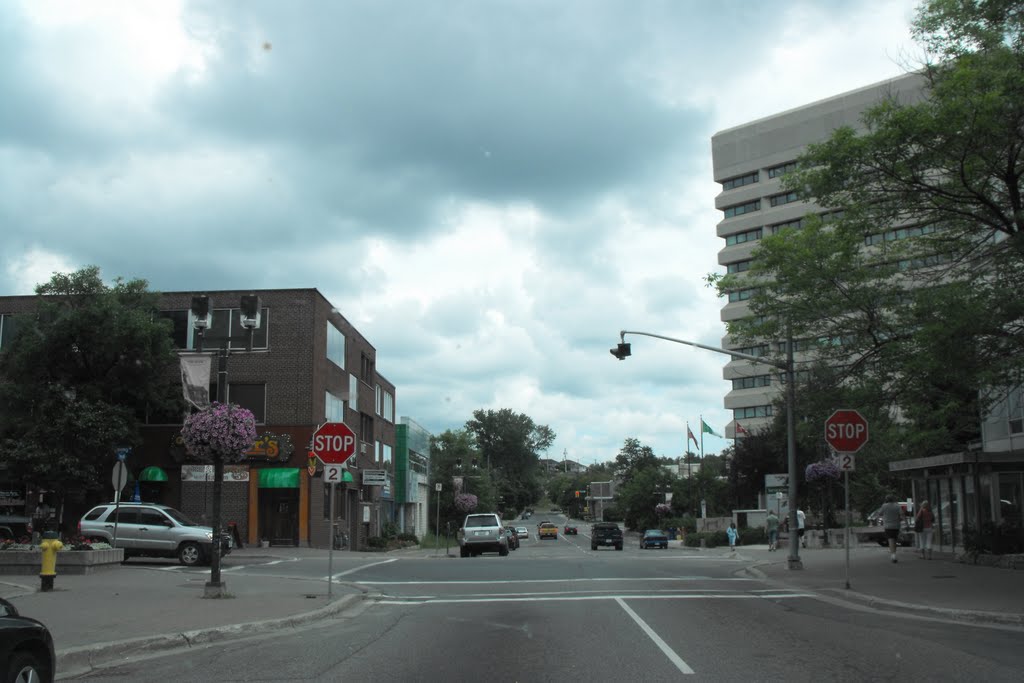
(749, 161)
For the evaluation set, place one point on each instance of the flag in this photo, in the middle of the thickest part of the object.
(692, 437)
(740, 429)
(705, 429)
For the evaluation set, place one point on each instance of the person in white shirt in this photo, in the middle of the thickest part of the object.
(800, 518)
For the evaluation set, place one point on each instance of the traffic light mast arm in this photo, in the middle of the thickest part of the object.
(734, 354)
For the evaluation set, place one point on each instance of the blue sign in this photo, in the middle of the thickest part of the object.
(122, 453)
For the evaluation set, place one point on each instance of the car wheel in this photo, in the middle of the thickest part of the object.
(190, 554)
(27, 667)
(503, 551)
(463, 552)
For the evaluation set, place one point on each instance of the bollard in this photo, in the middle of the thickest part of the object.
(49, 547)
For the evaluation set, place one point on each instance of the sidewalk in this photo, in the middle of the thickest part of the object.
(123, 611)
(940, 587)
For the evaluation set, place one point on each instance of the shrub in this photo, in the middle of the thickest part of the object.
(410, 538)
(376, 543)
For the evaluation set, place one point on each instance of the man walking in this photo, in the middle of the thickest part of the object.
(892, 517)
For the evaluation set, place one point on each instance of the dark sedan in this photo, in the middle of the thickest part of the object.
(26, 647)
(513, 537)
(571, 529)
(654, 538)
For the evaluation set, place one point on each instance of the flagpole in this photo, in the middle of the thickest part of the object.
(702, 438)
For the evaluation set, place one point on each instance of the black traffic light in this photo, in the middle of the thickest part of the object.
(201, 317)
(621, 351)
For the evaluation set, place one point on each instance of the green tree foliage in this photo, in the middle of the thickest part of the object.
(453, 455)
(632, 458)
(81, 372)
(909, 290)
(510, 444)
(637, 498)
(706, 480)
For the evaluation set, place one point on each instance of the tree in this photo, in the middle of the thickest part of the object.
(453, 455)
(632, 458)
(908, 288)
(510, 444)
(639, 497)
(80, 375)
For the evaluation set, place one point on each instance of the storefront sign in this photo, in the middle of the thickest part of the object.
(12, 498)
(271, 448)
(375, 477)
(205, 473)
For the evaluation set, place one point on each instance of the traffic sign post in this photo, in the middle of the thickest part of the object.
(846, 431)
(333, 443)
(119, 477)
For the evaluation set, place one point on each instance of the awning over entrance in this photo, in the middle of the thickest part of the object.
(279, 478)
(152, 473)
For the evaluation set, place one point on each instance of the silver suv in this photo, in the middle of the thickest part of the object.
(482, 533)
(151, 529)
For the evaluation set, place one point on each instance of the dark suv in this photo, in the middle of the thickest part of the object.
(605, 533)
(151, 529)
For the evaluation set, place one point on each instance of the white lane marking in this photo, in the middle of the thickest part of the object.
(488, 582)
(579, 598)
(365, 566)
(662, 645)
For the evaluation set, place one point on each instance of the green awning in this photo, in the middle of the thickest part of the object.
(279, 478)
(346, 476)
(152, 473)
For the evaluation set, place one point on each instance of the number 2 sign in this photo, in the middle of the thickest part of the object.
(334, 474)
(846, 462)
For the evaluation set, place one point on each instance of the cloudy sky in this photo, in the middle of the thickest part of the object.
(489, 190)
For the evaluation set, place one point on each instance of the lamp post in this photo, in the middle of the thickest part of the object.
(623, 350)
(250, 309)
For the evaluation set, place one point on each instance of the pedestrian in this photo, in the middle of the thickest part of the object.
(892, 516)
(924, 521)
(771, 525)
(734, 535)
(800, 521)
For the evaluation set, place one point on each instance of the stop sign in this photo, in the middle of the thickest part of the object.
(334, 443)
(846, 431)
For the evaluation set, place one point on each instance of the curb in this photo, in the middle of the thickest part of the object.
(76, 661)
(884, 605)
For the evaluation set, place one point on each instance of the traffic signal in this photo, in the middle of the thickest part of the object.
(577, 493)
(621, 351)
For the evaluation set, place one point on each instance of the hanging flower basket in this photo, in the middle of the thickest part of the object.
(465, 502)
(822, 472)
(223, 431)
(662, 509)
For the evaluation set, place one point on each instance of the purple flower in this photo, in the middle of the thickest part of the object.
(822, 471)
(662, 509)
(223, 431)
(465, 502)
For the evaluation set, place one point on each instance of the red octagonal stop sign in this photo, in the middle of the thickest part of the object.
(334, 443)
(846, 431)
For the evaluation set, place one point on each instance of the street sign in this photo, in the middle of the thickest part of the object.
(334, 443)
(846, 431)
(846, 462)
(375, 477)
(437, 486)
(774, 483)
(334, 474)
(119, 477)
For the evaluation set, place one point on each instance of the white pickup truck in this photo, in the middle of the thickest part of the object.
(482, 533)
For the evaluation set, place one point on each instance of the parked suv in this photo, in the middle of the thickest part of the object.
(482, 533)
(151, 529)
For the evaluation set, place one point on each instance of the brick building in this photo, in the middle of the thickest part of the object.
(308, 365)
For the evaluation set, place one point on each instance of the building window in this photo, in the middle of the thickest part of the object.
(366, 368)
(335, 346)
(353, 392)
(787, 198)
(752, 382)
(741, 237)
(740, 209)
(758, 351)
(8, 328)
(334, 408)
(389, 406)
(252, 397)
(227, 322)
(776, 171)
(899, 234)
(740, 181)
(752, 411)
(739, 266)
(741, 295)
(796, 223)
(385, 451)
(365, 428)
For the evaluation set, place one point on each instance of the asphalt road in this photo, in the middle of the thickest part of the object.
(555, 610)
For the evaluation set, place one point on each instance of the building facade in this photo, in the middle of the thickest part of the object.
(412, 477)
(748, 162)
(308, 365)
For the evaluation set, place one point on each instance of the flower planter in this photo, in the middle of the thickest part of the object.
(68, 561)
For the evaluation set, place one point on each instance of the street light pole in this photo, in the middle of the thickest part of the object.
(623, 350)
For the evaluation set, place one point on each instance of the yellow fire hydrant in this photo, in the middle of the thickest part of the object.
(48, 548)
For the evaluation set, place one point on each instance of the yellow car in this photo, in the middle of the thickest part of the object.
(547, 530)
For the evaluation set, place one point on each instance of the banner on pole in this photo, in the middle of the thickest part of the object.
(195, 380)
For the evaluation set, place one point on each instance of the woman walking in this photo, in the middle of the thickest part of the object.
(923, 523)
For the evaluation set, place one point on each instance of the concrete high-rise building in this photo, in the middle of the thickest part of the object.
(749, 161)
